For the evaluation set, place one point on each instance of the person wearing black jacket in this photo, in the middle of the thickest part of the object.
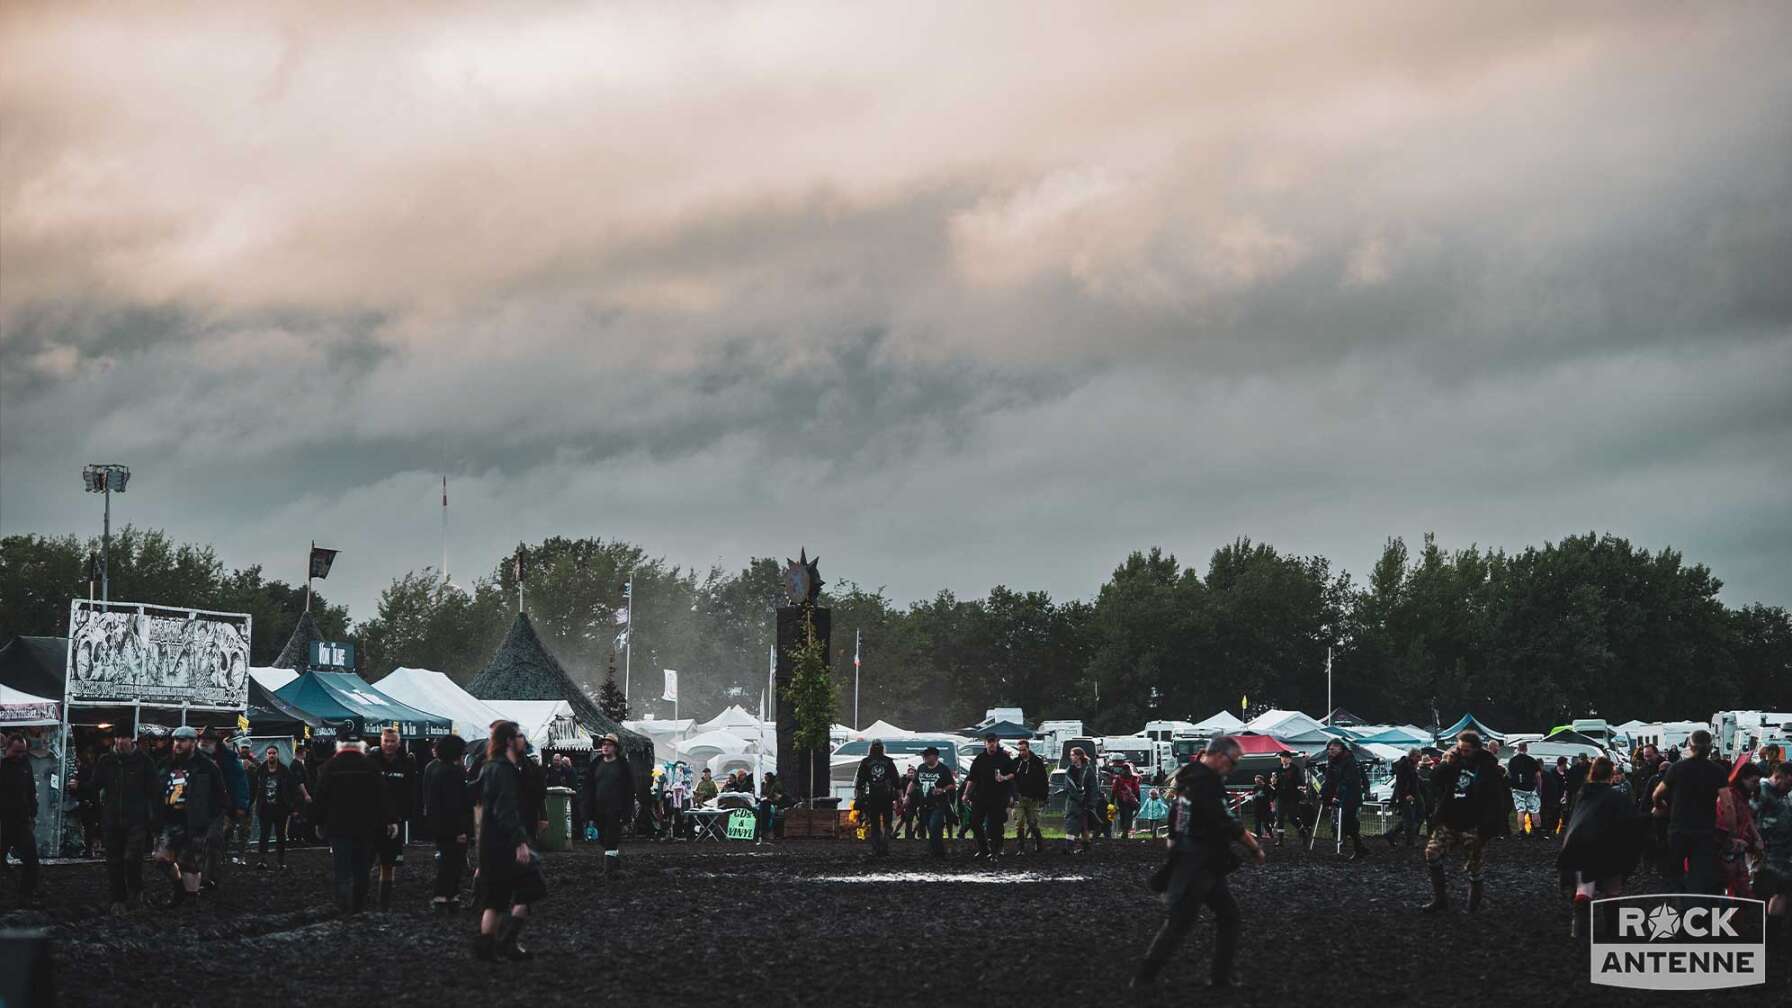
(874, 792)
(127, 785)
(1032, 789)
(1202, 831)
(986, 791)
(1408, 800)
(1467, 787)
(505, 860)
(275, 789)
(931, 788)
(350, 806)
(193, 798)
(18, 814)
(1552, 790)
(1603, 843)
(1343, 790)
(448, 815)
(398, 786)
(1290, 782)
(610, 793)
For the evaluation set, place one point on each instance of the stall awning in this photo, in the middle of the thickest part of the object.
(335, 696)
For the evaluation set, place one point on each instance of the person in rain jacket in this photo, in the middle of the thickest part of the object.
(1603, 843)
(1082, 795)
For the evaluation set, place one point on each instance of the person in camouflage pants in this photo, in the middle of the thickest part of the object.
(1467, 783)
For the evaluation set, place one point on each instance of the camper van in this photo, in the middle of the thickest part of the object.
(1739, 731)
(1164, 731)
(1052, 735)
(1138, 750)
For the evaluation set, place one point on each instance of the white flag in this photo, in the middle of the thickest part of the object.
(671, 686)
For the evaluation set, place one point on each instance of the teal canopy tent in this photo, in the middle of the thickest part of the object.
(332, 697)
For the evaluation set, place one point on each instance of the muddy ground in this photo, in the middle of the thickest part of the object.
(812, 922)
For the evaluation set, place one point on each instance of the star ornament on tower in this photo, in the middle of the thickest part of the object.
(802, 579)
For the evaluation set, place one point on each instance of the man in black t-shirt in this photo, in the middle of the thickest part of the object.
(932, 789)
(874, 794)
(986, 788)
(1689, 794)
(1525, 775)
(398, 786)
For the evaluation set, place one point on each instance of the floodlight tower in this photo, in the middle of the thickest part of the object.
(104, 478)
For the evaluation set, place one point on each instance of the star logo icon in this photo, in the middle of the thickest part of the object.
(1663, 922)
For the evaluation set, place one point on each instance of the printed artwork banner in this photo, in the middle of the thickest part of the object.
(125, 652)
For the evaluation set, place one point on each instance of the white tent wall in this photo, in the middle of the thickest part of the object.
(534, 717)
(665, 733)
(272, 679)
(435, 693)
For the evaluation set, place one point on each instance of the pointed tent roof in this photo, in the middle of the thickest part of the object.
(35, 665)
(270, 715)
(735, 716)
(522, 669)
(1001, 730)
(1224, 721)
(1252, 744)
(297, 652)
(1287, 724)
(881, 729)
(1470, 721)
(432, 691)
(1341, 718)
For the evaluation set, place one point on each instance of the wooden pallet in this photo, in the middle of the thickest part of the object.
(816, 824)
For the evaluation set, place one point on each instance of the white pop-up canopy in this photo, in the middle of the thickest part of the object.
(881, 729)
(435, 693)
(1224, 721)
(736, 720)
(19, 709)
(700, 748)
(271, 678)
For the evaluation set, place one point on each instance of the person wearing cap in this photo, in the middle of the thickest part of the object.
(126, 782)
(193, 799)
(1342, 791)
(349, 805)
(236, 810)
(932, 787)
(398, 787)
(874, 793)
(505, 860)
(18, 813)
(986, 791)
(1201, 839)
(610, 793)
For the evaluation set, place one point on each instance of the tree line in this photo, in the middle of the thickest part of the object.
(1589, 625)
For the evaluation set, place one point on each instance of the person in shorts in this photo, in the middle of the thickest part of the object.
(193, 797)
(508, 869)
(1525, 775)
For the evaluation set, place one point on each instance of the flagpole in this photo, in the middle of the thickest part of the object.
(855, 680)
(628, 642)
(308, 575)
(444, 528)
(1328, 685)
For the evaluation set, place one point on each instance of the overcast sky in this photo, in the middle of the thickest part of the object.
(954, 295)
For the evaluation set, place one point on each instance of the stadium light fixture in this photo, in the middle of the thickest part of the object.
(105, 478)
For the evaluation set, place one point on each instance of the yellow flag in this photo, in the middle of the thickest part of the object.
(1244, 702)
(242, 722)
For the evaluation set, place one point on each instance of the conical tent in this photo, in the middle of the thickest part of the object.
(337, 696)
(522, 669)
(1469, 721)
(297, 652)
(1224, 721)
(270, 715)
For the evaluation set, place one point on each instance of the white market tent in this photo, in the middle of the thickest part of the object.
(1224, 721)
(19, 709)
(665, 733)
(701, 748)
(1293, 729)
(535, 717)
(435, 693)
(885, 730)
(272, 679)
(736, 720)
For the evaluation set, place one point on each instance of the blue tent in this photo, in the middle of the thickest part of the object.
(1469, 721)
(1397, 737)
(336, 696)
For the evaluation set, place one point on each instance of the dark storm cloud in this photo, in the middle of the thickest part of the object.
(956, 296)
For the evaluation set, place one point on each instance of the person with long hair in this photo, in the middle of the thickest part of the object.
(448, 812)
(505, 860)
(1603, 843)
(1082, 793)
(1738, 841)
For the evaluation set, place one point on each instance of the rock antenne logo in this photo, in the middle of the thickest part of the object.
(1678, 942)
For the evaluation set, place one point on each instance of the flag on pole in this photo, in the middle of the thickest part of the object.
(671, 694)
(321, 559)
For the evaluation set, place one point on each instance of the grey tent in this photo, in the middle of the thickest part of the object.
(296, 655)
(35, 665)
(522, 669)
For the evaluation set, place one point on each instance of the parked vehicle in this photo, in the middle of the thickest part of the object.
(1737, 731)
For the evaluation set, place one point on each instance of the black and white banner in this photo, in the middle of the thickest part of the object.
(124, 652)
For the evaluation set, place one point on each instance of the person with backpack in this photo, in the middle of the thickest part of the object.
(874, 792)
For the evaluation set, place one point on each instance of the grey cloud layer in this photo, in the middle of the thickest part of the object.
(956, 296)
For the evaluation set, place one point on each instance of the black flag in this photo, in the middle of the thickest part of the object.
(321, 559)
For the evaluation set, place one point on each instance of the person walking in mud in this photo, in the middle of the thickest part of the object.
(1290, 783)
(350, 807)
(126, 782)
(986, 791)
(1467, 791)
(1082, 793)
(610, 792)
(193, 799)
(509, 872)
(398, 797)
(1688, 796)
(448, 816)
(1407, 800)
(932, 788)
(276, 791)
(1201, 837)
(18, 815)
(1343, 791)
(1032, 789)
(874, 791)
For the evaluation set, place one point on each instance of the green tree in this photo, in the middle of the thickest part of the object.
(811, 696)
(610, 699)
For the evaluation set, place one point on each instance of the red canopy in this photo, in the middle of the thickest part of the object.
(1253, 744)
